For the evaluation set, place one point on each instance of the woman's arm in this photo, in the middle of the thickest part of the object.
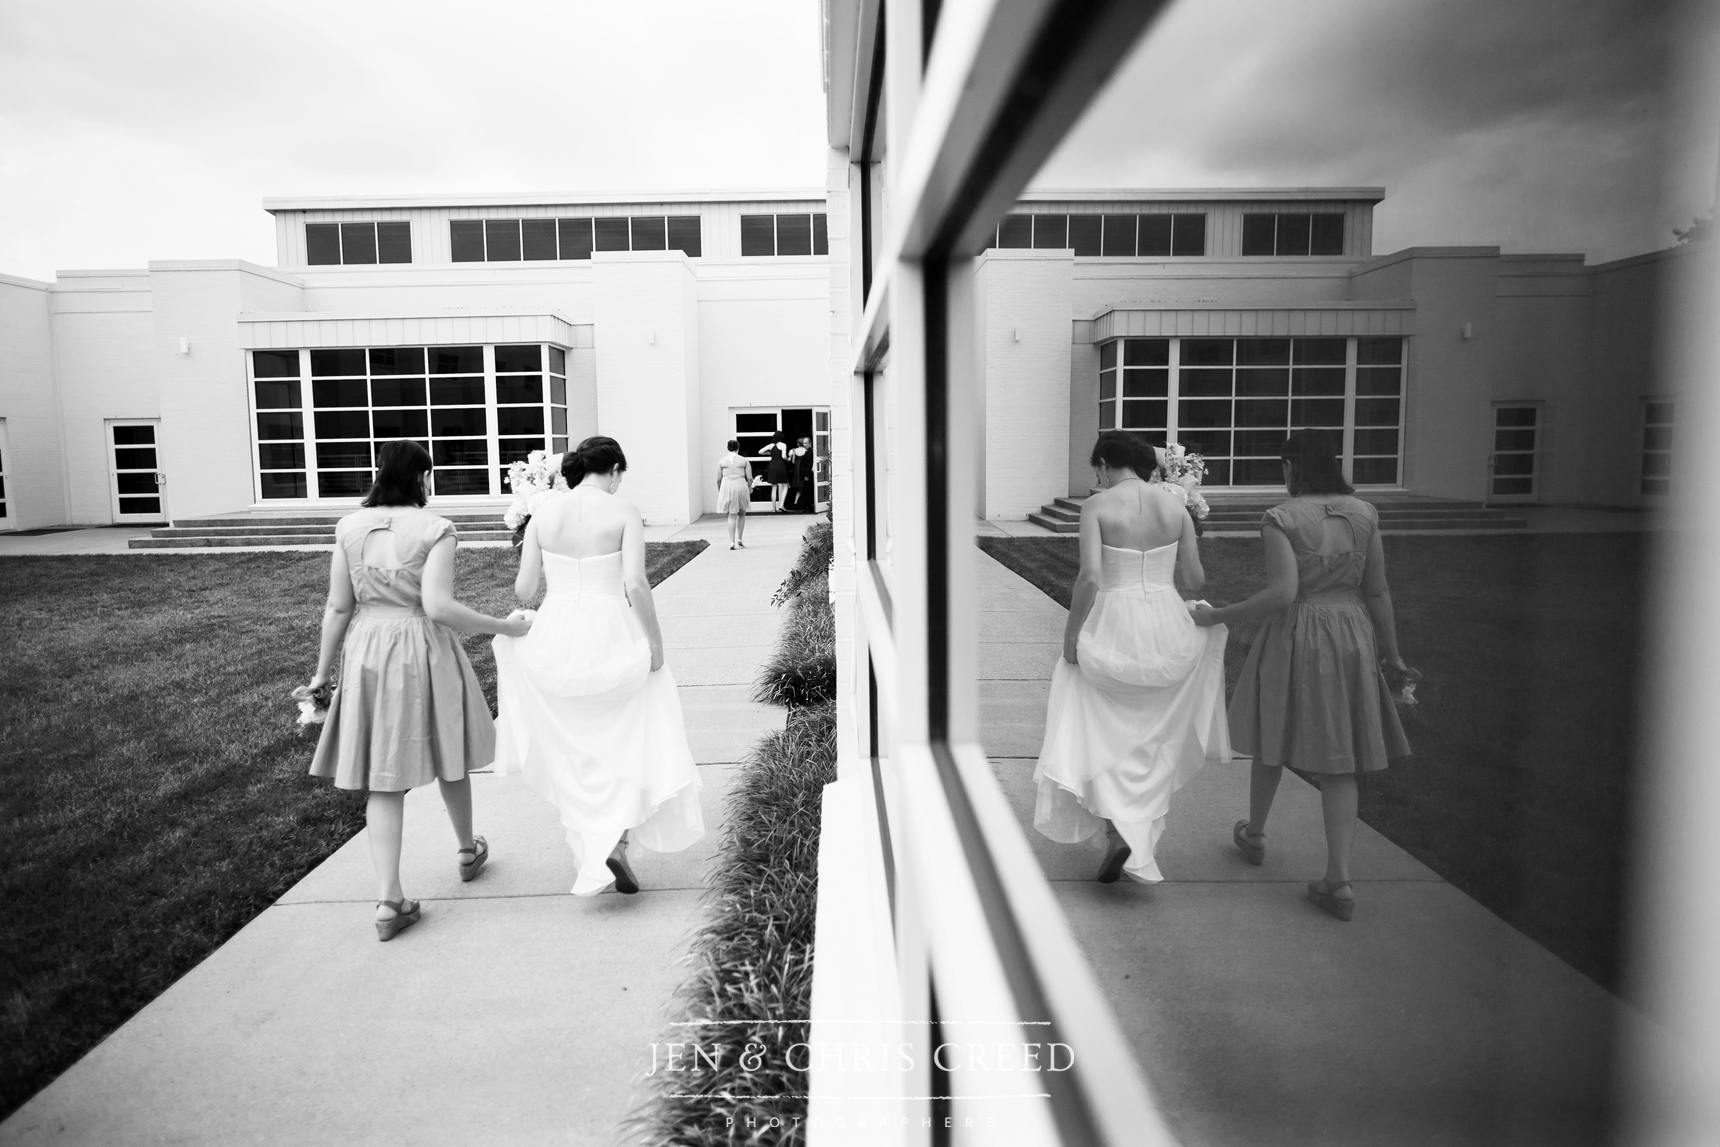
(440, 606)
(638, 584)
(531, 564)
(1277, 596)
(1378, 598)
(1188, 556)
(337, 615)
(1086, 582)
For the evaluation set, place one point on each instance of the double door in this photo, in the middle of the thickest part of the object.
(756, 427)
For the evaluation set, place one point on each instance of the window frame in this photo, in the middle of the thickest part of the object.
(339, 227)
(570, 225)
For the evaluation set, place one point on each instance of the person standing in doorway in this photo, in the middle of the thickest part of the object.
(800, 493)
(777, 472)
(734, 491)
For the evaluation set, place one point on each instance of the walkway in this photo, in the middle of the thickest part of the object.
(1261, 1020)
(512, 1014)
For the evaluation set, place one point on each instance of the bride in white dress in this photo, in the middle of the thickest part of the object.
(587, 709)
(1137, 699)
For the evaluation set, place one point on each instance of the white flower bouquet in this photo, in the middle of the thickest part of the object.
(1182, 472)
(531, 482)
(313, 704)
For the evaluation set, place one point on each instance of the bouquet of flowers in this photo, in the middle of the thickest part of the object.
(1182, 472)
(313, 704)
(531, 481)
(1403, 683)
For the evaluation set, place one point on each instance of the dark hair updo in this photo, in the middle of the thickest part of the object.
(398, 465)
(596, 455)
(1117, 448)
(734, 444)
(1314, 466)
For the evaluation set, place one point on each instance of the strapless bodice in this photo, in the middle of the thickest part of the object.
(583, 577)
(1125, 569)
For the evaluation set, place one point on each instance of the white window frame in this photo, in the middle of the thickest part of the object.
(123, 519)
(8, 493)
(1654, 498)
(969, 114)
(1537, 455)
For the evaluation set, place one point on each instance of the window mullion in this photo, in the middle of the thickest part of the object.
(1347, 456)
(308, 413)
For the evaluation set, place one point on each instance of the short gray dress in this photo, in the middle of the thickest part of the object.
(409, 709)
(1312, 694)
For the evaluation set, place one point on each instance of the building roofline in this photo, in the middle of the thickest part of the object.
(1680, 251)
(21, 281)
(372, 313)
(518, 199)
(1190, 194)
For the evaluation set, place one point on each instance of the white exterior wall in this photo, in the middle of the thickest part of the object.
(1023, 300)
(763, 341)
(206, 427)
(103, 369)
(647, 376)
(35, 482)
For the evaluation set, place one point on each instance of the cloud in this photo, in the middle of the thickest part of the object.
(131, 132)
(1535, 124)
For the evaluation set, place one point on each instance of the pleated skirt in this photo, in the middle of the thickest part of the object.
(1312, 694)
(409, 709)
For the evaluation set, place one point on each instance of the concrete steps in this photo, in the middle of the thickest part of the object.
(271, 532)
(1397, 513)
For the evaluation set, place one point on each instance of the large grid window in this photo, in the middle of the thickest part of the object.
(322, 414)
(1234, 400)
(1656, 446)
(1292, 233)
(529, 240)
(1091, 235)
(785, 235)
(329, 244)
(280, 424)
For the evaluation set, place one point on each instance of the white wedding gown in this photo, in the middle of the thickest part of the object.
(1140, 714)
(594, 730)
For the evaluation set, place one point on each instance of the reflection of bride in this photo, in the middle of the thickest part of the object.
(1137, 699)
(587, 709)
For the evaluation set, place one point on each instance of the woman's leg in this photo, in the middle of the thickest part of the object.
(1262, 788)
(384, 816)
(741, 527)
(781, 498)
(457, 798)
(1338, 803)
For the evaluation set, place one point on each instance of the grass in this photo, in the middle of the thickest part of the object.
(155, 796)
(1519, 792)
(752, 957)
(801, 670)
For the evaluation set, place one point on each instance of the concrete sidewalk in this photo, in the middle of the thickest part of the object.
(1259, 1019)
(513, 1013)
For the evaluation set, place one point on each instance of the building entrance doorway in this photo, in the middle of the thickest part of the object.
(757, 426)
(134, 472)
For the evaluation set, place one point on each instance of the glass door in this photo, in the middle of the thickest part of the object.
(821, 456)
(8, 520)
(1514, 466)
(754, 430)
(133, 469)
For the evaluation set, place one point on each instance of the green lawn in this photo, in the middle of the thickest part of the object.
(155, 796)
(1520, 787)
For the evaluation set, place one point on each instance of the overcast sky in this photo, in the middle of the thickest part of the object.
(131, 132)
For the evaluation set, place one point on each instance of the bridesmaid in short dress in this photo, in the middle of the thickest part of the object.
(409, 709)
(1312, 694)
(777, 473)
(734, 492)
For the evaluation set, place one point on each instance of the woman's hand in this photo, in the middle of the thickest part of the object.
(1395, 663)
(1069, 653)
(1204, 615)
(656, 658)
(518, 623)
(317, 682)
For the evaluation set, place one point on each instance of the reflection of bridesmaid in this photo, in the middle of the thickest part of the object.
(777, 472)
